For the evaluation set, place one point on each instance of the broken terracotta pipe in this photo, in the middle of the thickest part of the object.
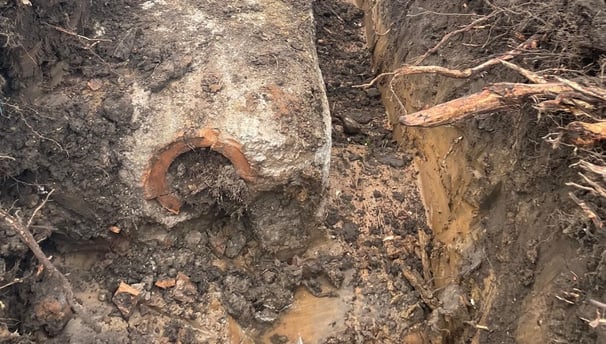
(155, 185)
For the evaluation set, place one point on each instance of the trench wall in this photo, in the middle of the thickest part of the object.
(490, 185)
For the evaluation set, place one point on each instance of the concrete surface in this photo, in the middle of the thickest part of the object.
(249, 72)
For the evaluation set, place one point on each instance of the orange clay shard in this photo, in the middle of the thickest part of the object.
(155, 185)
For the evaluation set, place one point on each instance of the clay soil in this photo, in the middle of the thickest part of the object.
(354, 284)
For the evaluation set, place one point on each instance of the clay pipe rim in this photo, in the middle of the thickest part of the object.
(155, 184)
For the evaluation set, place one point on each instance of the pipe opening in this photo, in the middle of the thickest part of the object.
(204, 179)
(155, 184)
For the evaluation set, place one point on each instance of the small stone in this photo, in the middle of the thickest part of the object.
(335, 276)
(350, 231)
(123, 174)
(345, 197)
(120, 245)
(373, 92)
(118, 110)
(350, 126)
(332, 218)
(148, 282)
(398, 196)
(266, 316)
(157, 301)
(269, 276)
(392, 161)
(235, 244)
(126, 298)
(217, 244)
(94, 84)
(361, 117)
(192, 239)
(185, 290)
(278, 339)
(354, 157)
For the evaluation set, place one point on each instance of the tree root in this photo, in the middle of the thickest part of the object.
(22, 230)
(496, 97)
(549, 94)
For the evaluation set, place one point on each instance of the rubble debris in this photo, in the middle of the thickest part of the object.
(166, 283)
(51, 309)
(185, 290)
(126, 298)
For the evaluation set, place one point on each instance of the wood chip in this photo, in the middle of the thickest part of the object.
(166, 283)
(126, 298)
(125, 288)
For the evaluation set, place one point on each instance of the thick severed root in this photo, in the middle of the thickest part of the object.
(493, 98)
(588, 133)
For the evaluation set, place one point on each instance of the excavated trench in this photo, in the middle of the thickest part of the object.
(219, 176)
(493, 190)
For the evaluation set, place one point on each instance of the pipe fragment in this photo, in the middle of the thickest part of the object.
(155, 184)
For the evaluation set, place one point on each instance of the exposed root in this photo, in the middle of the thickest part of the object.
(551, 94)
(597, 303)
(414, 68)
(532, 76)
(588, 210)
(587, 166)
(493, 98)
(22, 116)
(65, 31)
(599, 319)
(447, 36)
(16, 224)
(417, 282)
